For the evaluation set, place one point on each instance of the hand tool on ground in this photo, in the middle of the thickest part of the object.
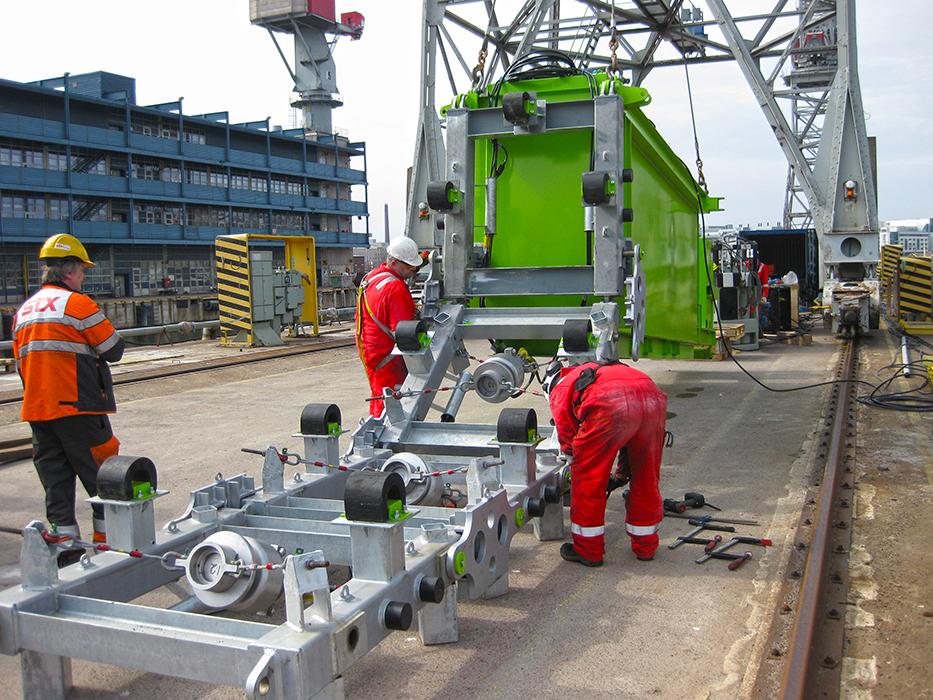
(711, 519)
(712, 544)
(699, 527)
(701, 540)
(735, 560)
(692, 499)
(674, 506)
(736, 539)
(739, 560)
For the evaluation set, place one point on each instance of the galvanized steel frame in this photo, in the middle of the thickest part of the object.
(823, 138)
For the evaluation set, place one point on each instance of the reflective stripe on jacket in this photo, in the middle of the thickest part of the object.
(62, 343)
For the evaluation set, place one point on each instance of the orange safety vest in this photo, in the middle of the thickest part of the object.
(58, 337)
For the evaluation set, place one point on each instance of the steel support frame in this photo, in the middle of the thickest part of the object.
(81, 612)
(823, 138)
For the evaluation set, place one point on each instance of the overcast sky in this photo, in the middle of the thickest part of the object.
(207, 52)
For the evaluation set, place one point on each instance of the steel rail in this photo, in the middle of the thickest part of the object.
(206, 365)
(801, 668)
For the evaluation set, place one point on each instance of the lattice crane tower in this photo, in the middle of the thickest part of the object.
(798, 56)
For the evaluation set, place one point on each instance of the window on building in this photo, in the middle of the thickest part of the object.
(197, 177)
(58, 161)
(171, 216)
(259, 184)
(12, 207)
(35, 207)
(169, 131)
(294, 188)
(287, 220)
(33, 159)
(145, 124)
(279, 186)
(195, 136)
(147, 214)
(101, 212)
(146, 170)
(86, 161)
(239, 182)
(170, 174)
(11, 155)
(58, 208)
(218, 179)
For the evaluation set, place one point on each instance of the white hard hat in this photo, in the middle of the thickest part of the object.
(404, 249)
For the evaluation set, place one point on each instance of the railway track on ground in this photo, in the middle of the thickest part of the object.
(145, 375)
(20, 448)
(807, 635)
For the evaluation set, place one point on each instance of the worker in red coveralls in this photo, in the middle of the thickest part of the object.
(384, 300)
(602, 411)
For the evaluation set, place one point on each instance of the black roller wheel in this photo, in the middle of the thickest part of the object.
(517, 425)
(320, 419)
(408, 335)
(368, 495)
(117, 474)
(439, 195)
(595, 186)
(577, 334)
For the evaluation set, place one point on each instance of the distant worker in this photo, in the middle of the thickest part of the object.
(62, 343)
(384, 300)
(602, 411)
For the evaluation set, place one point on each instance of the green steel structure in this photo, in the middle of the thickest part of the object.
(539, 217)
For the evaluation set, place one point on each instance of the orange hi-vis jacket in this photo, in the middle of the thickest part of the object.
(62, 343)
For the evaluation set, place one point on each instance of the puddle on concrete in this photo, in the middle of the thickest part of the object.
(686, 395)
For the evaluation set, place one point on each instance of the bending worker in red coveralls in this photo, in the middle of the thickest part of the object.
(62, 343)
(602, 411)
(384, 301)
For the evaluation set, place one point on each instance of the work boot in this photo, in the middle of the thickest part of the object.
(568, 553)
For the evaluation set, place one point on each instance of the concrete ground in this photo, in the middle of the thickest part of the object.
(666, 628)
(889, 635)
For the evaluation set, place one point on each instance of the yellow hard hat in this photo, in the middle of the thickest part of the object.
(64, 245)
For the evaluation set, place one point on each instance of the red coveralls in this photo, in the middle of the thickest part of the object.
(384, 301)
(621, 408)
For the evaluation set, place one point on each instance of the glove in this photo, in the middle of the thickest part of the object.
(614, 483)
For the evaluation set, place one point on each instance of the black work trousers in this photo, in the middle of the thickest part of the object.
(62, 451)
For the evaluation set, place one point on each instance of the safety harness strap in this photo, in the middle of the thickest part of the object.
(362, 304)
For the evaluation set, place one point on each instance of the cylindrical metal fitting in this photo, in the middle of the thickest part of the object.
(220, 571)
(418, 487)
(499, 376)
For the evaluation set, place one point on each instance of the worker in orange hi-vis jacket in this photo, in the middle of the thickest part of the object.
(384, 301)
(601, 412)
(62, 343)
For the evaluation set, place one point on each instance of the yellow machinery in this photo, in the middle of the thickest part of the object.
(256, 299)
(907, 286)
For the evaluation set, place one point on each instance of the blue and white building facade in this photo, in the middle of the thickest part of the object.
(148, 189)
